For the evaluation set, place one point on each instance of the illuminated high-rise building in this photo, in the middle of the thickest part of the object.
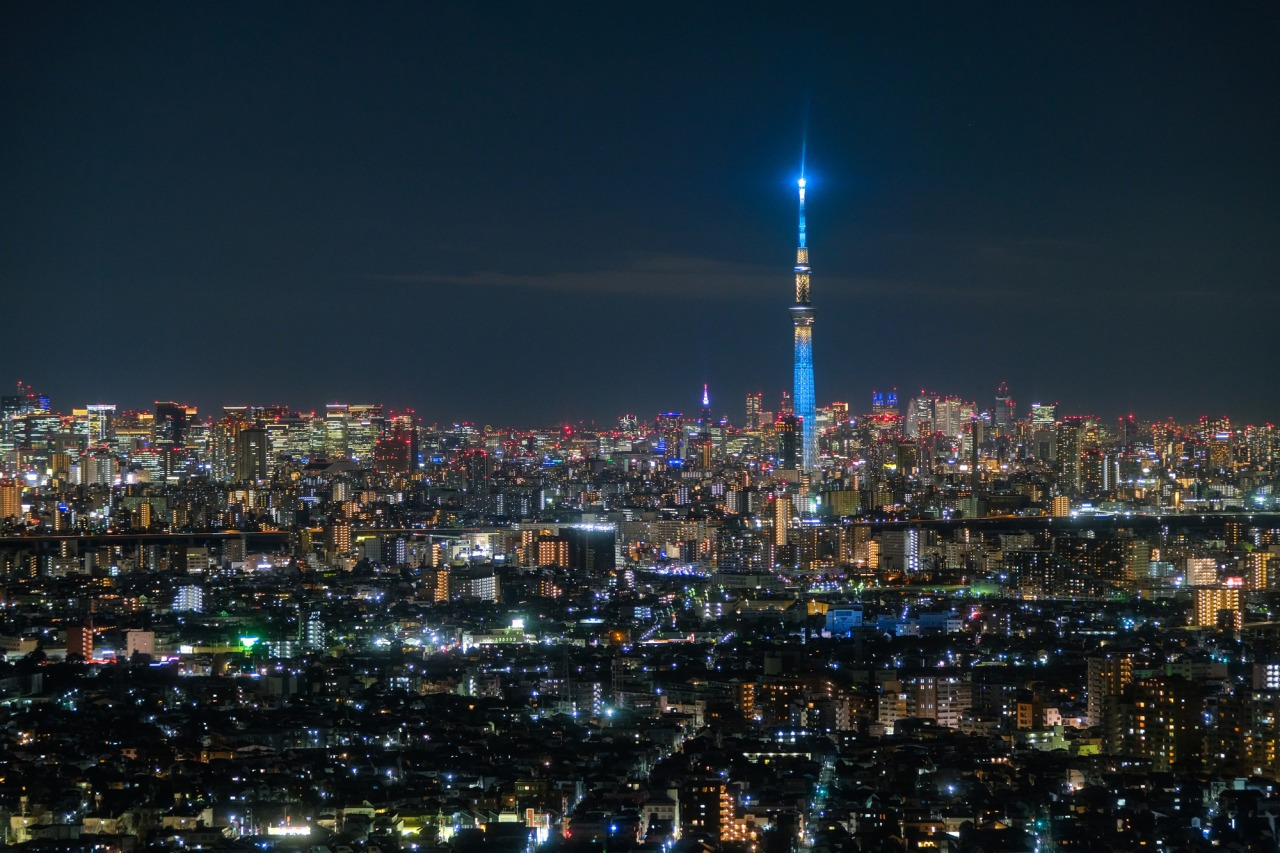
(669, 427)
(783, 510)
(336, 423)
(951, 416)
(1220, 606)
(100, 417)
(1219, 451)
(170, 427)
(10, 499)
(786, 429)
(404, 427)
(884, 404)
(802, 320)
(170, 423)
(188, 599)
(391, 455)
(253, 454)
(1005, 409)
(920, 415)
(365, 425)
(1069, 451)
(755, 405)
(1108, 675)
(92, 424)
(1261, 570)
(1043, 414)
(97, 468)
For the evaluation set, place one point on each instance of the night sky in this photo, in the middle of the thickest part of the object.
(527, 213)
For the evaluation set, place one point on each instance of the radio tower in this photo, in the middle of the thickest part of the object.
(802, 319)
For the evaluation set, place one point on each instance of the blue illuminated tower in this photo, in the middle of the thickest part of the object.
(802, 319)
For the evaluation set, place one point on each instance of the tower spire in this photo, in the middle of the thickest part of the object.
(803, 242)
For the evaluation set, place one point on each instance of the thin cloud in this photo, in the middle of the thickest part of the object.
(657, 275)
(685, 277)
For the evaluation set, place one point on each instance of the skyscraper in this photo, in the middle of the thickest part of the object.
(755, 405)
(1069, 452)
(252, 454)
(788, 457)
(802, 320)
(172, 421)
(98, 419)
(1005, 409)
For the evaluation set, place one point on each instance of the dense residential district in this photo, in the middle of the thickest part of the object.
(967, 627)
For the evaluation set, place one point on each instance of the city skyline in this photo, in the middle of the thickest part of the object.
(424, 208)
(733, 413)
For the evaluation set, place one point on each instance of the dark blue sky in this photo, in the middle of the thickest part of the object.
(527, 213)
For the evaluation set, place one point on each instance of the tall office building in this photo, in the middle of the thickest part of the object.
(365, 425)
(1043, 414)
(669, 427)
(392, 455)
(1005, 409)
(92, 424)
(253, 453)
(755, 405)
(951, 416)
(170, 424)
(336, 426)
(170, 428)
(884, 404)
(920, 415)
(100, 417)
(802, 320)
(789, 456)
(172, 421)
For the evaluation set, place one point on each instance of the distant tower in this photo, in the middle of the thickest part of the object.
(705, 444)
(802, 319)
